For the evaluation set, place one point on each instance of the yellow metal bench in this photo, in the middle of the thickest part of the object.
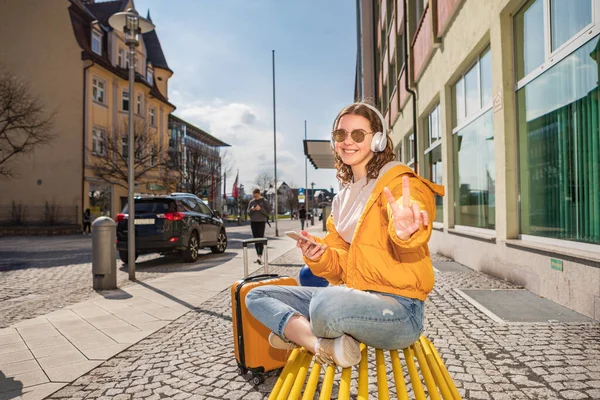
(290, 383)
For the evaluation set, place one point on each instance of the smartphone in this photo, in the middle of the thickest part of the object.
(296, 236)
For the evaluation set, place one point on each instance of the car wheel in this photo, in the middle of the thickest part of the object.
(124, 256)
(191, 253)
(221, 243)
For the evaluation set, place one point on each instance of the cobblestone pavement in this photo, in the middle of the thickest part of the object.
(192, 358)
(41, 275)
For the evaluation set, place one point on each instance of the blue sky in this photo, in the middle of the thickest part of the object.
(220, 52)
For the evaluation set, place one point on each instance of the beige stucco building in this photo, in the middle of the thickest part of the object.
(77, 64)
(506, 115)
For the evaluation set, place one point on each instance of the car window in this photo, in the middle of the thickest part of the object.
(182, 207)
(204, 208)
(148, 206)
(192, 205)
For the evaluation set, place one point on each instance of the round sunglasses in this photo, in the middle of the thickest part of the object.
(358, 135)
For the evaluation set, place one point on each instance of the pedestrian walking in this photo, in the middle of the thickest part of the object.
(258, 209)
(375, 254)
(87, 222)
(302, 215)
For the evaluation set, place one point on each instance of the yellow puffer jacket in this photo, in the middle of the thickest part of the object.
(377, 259)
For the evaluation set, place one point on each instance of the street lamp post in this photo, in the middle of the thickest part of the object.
(130, 23)
(275, 151)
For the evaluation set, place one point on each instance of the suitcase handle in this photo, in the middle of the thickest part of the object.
(245, 252)
(259, 277)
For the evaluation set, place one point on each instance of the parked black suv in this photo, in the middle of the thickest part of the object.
(178, 223)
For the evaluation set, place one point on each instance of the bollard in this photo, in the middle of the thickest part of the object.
(104, 254)
(239, 220)
(326, 213)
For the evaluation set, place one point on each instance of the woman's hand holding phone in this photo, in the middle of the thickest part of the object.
(310, 248)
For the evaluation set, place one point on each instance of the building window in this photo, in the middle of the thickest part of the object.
(543, 27)
(153, 154)
(150, 75)
(433, 156)
(98, 142)
(139, 104)
(409, 150)
(569, 17)
(98, 90)
(125, 100)
(399, 152)
(559, 149)
(419, 8)
(121, 58)
(473, 147)
(558, 129)
(400, 49)
(140, 151)
(124, 147)
(152, 113)
(96, 42)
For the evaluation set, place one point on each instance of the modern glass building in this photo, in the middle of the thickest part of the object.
(498, 100)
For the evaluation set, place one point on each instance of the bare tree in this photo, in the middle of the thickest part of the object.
(24, 123)
(201, 169)
(171, 179)
(264, 180)
(111, 154)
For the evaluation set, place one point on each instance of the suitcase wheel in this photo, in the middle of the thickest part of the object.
(242, 370)
(257, 379)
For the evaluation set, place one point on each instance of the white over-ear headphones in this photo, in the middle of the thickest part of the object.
(379, 142)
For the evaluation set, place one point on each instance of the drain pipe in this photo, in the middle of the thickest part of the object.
(407, 87)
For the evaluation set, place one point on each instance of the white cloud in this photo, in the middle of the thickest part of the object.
(249, 131)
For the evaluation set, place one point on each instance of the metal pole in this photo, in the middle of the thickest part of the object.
(305, 174)
(275, 151)
(130, 172)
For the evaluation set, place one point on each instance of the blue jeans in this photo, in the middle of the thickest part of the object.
(380, 320)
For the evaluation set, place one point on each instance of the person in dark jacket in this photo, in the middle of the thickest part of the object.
(259, 210)
(302, 215)
(87, 222)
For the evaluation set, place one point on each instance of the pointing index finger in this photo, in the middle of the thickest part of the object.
(405, 191)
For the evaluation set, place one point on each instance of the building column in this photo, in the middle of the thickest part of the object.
(447, 155)
(505, 135)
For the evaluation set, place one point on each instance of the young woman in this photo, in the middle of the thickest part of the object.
(375, 254)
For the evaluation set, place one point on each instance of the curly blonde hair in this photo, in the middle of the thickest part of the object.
(344, 172)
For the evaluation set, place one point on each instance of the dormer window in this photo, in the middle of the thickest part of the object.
(97, 42)
(150, 75)
(122, 58)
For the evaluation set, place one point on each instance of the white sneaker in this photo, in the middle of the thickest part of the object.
(343, 351)
(278, 342)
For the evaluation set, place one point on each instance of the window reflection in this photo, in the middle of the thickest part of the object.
(529, 38)
(472, 91)
(559, 149)
(568, 18)
(474, 173)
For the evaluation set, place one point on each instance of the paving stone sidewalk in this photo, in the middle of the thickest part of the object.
(192, 358)
(26, 293)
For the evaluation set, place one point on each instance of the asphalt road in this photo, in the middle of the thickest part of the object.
(45, 252)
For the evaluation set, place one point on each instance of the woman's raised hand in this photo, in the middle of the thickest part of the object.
(407, 217)
(311, 251)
